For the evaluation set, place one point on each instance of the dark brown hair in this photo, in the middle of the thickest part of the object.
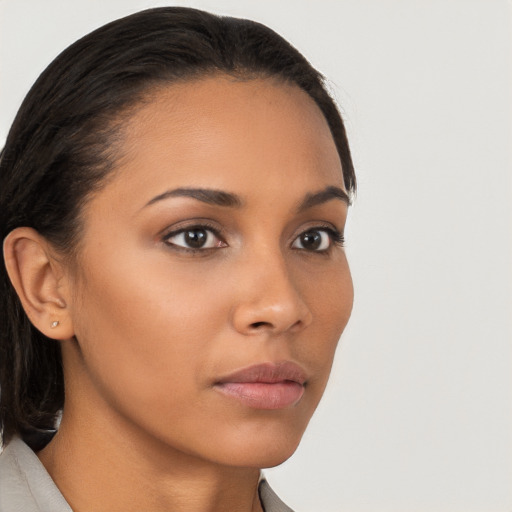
(62, 146)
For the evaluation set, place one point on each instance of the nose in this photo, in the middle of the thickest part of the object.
(268, 299)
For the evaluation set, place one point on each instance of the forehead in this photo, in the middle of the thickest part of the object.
(228, 134)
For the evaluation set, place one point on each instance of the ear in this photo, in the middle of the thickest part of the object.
(39, 281)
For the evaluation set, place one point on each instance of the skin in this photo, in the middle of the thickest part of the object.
(155, 326)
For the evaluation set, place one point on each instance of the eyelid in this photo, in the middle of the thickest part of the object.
(336, 236)
(197, 223)
(173, 231)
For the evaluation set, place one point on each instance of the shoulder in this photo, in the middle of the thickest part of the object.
(269, 499)
(25, 485)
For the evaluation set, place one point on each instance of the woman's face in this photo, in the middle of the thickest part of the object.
(213, 286)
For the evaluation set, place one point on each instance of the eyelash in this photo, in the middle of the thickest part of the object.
(203, 226)
(336, 238)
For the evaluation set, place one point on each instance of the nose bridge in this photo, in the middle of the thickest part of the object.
(269, 297)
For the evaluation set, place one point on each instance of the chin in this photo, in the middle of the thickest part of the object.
(268, 456)
(276, 458)
(265, 447)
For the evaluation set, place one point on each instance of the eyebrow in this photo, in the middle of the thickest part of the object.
(229, 200)
(323, 196)
(209, 196)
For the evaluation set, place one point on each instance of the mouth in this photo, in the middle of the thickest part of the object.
(265, 386)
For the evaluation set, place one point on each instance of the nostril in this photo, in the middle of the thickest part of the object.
(261, 325)
(257, 325)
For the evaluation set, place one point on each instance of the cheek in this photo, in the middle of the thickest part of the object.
(330, 296)
(145, 327)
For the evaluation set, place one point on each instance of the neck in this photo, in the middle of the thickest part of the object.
(112, 467)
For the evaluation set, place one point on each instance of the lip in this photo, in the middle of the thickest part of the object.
(265, 386)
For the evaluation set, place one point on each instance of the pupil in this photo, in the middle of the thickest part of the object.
(195, 238)
(311, 240)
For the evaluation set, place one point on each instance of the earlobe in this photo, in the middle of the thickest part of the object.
(36, 277)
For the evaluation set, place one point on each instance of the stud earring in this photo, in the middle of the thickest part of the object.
(54, 324)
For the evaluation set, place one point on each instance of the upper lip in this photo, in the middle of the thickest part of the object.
(267, 373)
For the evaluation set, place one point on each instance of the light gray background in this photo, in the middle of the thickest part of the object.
(418, 414)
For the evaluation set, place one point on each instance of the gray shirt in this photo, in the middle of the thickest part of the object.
(26, 486)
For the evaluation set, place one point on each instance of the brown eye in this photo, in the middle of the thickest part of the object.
(313, 240)
(194, 238)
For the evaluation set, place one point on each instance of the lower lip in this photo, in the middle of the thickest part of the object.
(263, 395)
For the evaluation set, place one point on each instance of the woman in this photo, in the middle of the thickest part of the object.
(173, 196)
